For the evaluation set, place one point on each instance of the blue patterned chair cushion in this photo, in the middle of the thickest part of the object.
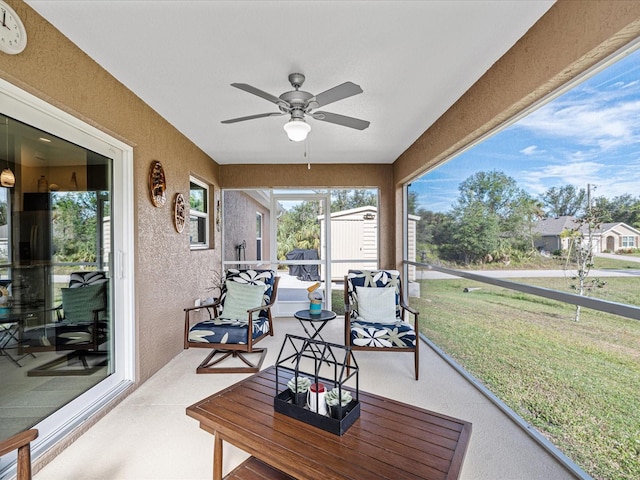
(221, 330)
(386, 335)
(395, 333)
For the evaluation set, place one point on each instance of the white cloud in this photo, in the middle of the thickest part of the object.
(594, 122)
(530, 150)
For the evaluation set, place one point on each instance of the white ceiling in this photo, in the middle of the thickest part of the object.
(413, 59)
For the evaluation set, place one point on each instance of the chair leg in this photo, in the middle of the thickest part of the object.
(208, 365)
(52, 368)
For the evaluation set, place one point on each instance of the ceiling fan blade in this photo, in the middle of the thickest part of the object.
(345, 90)
(341, 120)
(260, 93)
(251, 117)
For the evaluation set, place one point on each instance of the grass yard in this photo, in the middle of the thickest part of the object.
(577, 383)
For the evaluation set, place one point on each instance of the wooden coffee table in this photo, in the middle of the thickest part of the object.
(390, 440)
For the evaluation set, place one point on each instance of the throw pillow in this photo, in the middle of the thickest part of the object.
(79, 303)
(377, 304)
(240, 298)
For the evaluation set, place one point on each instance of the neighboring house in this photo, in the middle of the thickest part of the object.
(609, 237)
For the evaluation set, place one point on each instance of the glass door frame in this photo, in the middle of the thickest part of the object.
(324, 262)
(22, 106)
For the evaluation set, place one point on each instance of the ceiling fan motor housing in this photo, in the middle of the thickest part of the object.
(296, 80)
(297, 99)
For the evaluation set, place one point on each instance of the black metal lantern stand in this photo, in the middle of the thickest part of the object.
(324, 363)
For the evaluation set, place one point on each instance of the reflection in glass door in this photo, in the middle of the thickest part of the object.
(56, 330)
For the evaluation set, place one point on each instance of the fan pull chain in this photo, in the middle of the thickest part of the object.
(307, 155)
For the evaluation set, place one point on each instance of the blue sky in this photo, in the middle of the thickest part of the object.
(588, 135)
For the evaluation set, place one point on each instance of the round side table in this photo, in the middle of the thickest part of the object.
(316, 321)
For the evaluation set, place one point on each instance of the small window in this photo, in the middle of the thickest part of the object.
(198, 214)
(628, 241)
(258, 236)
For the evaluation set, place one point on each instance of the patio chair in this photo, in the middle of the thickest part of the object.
(239, 319)
(375, 313)
(80, 327)
(21, 442)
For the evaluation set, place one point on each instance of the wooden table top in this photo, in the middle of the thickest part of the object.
(390, 440)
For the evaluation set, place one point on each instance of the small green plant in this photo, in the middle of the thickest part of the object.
(333, 396)
(299, 384)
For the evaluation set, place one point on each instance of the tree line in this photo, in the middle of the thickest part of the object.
(493, 219)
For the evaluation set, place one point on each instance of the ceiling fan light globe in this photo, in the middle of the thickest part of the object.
(297, 130)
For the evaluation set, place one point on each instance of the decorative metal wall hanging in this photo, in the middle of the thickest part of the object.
(180, 215)
(157, 184)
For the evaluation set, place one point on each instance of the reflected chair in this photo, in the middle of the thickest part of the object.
(375, 314)
(236, 321)
(21, 442)
(81, 326)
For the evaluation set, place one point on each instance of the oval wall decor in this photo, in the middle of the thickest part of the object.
(157, 184)
(180, 212)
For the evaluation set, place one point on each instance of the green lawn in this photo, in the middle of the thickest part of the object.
(577, 383)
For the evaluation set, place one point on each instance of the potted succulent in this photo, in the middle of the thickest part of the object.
(335, 397)
(299, 387)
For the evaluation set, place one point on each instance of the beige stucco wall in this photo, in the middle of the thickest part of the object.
(168, 276)
(569, 39)
(240, 225)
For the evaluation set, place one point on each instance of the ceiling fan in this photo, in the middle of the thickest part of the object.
(299, 104)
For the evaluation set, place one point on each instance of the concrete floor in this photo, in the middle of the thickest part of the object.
(149, 436)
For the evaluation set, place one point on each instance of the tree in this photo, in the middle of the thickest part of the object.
(299, 228)
(580, 254)
(474, 234)
(624, 208)
(495, 190)
(503, 208)
(348, 199)
(564, 201)
(74, 220)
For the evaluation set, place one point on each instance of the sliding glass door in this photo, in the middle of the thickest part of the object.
(64, 321)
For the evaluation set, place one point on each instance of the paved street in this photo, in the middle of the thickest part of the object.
(425, 274)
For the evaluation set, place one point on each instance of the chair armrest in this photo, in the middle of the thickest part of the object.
(415, 314)
(17, 441)
(408, 308)
(187, 317)
(58, 311)
(272, 300)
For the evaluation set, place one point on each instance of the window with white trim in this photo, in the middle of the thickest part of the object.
(628, 241)
(258, 236)
(198, 213)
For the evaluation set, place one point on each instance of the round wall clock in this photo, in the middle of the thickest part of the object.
(13, 35)
(157, 184)
(180, 212)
